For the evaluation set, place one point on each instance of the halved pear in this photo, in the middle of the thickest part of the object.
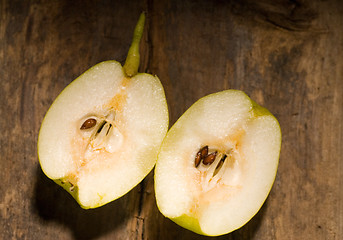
(218, 163)
(102, 134)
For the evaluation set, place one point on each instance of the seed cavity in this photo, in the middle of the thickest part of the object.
(101, 126)
(103, 134)
(109, 128)
(213, 163)
(220, 165)
(89, 123)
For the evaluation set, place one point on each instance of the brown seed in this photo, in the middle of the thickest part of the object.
(204, 151)
(200, 155)
(89, 123)
(197, 160)
(209, 159)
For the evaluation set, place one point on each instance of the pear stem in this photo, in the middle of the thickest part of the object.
(133, 58)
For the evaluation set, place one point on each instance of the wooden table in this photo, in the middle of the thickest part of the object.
(287, 55)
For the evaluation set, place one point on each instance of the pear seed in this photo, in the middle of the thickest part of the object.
(201, 155)
(89, 123)
(209, 159)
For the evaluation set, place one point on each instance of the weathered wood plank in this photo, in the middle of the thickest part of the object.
(287, 55)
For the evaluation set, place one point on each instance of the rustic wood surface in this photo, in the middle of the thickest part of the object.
(287, 55)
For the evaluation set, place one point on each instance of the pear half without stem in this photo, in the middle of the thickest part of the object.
(218, 163)
(101, 135)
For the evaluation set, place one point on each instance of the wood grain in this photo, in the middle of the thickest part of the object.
(287, 55)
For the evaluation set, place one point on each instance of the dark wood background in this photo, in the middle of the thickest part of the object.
(287, 55)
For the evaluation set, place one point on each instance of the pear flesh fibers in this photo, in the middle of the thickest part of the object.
(102, 134)
(218, 163)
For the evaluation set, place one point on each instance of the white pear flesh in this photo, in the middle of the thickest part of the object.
(214, 204)
(99, 171)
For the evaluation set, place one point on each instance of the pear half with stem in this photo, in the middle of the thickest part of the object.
(102, 134)
(218, 163)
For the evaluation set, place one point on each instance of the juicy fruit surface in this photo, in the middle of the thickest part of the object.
(220, 197)
(102, 134)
